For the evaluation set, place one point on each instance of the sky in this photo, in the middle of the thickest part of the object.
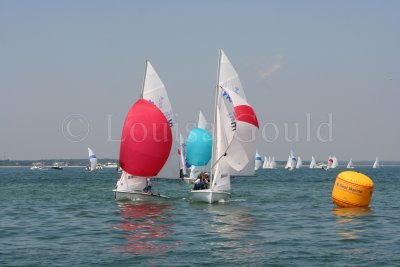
(70, 70)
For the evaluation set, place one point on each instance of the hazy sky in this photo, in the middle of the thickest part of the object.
(83, 62)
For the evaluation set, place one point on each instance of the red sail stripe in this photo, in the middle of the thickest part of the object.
(146, 140)
(246, 113)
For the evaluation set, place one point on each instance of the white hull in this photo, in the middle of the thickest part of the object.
(209, 196)
(137, 196)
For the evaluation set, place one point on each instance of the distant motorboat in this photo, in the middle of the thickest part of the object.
(350, 164)
(57, 166)
(376, 163)
(39, 166)
(110, 165)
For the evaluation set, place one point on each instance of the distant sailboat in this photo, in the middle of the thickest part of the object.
(198, 148)
(330, 162)
(272, 163)
(182, 154)
(149, 150)
(258, 161)
(350, 164)
(376, 163)
(313, 163)
(299, 162)
(266, 163)
(92, 160)
(335, 162)
(292, 162)
(235, 123)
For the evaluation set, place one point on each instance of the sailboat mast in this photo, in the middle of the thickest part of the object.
(214, 137)
(144, 78)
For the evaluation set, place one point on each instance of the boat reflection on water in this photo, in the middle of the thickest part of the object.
(144, 227)
(232, 229)
(350, 221)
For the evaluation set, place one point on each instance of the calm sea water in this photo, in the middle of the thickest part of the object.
(279, 218)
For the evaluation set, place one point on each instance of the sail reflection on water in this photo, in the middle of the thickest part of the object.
(144, 227)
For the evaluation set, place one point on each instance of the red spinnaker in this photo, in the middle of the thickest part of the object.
(246, 114)
(146, 140)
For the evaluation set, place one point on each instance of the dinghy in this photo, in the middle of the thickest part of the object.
(299, 162)
(147, 148)
(258, 161)
(235, 125)
(182, 156)
(92, 161)
(350, 164)
(272, 163)
(335, 162)
(376, 163)
(266, 163)
(313, 163)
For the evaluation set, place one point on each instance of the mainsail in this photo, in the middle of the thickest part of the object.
(92, 159)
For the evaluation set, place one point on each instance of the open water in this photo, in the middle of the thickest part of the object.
(278, 218)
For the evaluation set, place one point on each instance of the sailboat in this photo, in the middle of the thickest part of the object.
(235, 123)
(299, 162)
(272, 163)
(376, 163)
(182, 156)
(291, 162)
(92, 161)
(198, 148)
(335, 162)
(350, 164)
(147, 148)
(258, 161)
(330, 162)
(313, 163)
(266, 163)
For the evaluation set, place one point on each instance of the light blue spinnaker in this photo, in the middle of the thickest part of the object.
(198, 147)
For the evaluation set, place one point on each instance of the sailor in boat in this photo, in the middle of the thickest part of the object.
(206, 181)
(199, 183)
(147, 189)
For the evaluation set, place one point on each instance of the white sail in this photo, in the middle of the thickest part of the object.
(350, 164)
(131, 183)
(155, 92)
(258, 161)
(289, 162)
(376, 163)
(335, 162)
(182, 154)
(299, 162)
(266, 163)
(92, 159)
(202, 123)
(273, 163)
(313, 163)
(330, 162)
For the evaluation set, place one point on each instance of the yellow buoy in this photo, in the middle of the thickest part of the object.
(352, 189)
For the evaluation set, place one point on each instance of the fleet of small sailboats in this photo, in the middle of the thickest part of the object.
(148, 149)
